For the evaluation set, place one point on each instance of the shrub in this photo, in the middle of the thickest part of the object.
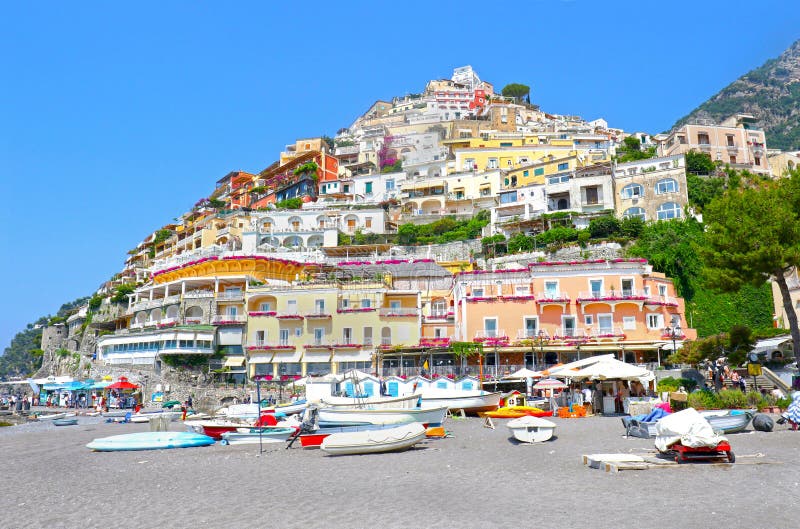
(704, 400)
(732, 398)
(674, 384)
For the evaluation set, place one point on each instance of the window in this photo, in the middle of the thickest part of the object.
(368, 222)
(469, 164)
(662, 290)
(265, 307)
(486, 191)
(733, 159)
(551, 288)
(394, 305)
(368, 188)
(667, 185)
(346, 188)
(522, 290)
(525, 173)
(757, 160)
(730, 140)
(563, 166)
(347, 335)
(669, 210)
(440, 332)
(283, 336)
(682, 140)
(592, 196)
(319, 336)
(531, 327)
(291, 306)
(632, 191)
(367, 335)
(634, 212)
(492, 163)
(568, 324)
(231, 311)
(538, 172)
(345, 303)
(655, 321)
(596, 286)
(389, 185)
(605, 324)
(702, 138)
(477, 292)
(558, 179)
(366, 303)
(588, 320)
(627, 287)
(319, 306)
(490, 327)
(629, 323)
(260, 337)
(298, 331)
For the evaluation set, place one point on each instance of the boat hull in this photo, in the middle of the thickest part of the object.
(531, 429)
(469, 401)
(374, 441)
(215, 429)
(726, 421)
(70, 421)
(408, 401)
(268, 435)
(315, 438)
(383, 416)
(515, 412)
(149, 441)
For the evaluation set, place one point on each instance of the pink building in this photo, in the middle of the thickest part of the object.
(559, 311)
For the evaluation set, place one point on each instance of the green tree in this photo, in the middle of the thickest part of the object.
(516, 90)
(631, 227)
(604, 226)
(699, 163)
(631, 150)
(753, 235)
(703, 189)
(671, 247)
(121, 293)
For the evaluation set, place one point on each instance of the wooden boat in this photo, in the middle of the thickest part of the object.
(269, 434)
(383, 416)
(515, 412)
(531, 429)
(314, 439)
(407, 401)
(374, 441)
(471, 401)
(67, 421)
(149, 441)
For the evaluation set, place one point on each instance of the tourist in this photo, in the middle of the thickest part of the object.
(735, 379)
(189, 402)
(587, 398)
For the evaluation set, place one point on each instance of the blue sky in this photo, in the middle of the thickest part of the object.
(116, 117)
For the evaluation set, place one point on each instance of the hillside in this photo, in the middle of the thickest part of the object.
(771, 93)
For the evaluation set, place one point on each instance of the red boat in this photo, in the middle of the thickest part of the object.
(216, 427)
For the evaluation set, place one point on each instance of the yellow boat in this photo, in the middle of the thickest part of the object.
(515, 412)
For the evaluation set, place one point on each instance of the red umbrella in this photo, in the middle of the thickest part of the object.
(122, 383)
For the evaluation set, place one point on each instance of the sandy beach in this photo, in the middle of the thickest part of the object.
(477, 478)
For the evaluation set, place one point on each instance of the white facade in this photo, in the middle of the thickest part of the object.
(378, 187)
(584, 191)
(524, 203)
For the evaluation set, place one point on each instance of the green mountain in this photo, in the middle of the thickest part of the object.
(771, 93)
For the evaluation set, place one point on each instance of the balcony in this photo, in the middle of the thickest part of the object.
(290, 316)
(607, 333)
(662, 301)
(167, 322)
(229, 319)
(236, 295)
(552, 298)
(435, 342)
(319, 344)
(198, 294)
(346, 345)
(318, 316)
(271, 346)
(262, 313)
(529, 334)
(440, 316)
(481, 299)
(398, 313)
(487, 334)
(193, 321)
(733, 149)
(612, 296)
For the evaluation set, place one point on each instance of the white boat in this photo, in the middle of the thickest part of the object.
(471, 401)
(373, 441)
(53, 416)
(382, 416)
(269, 434)
(531, 429)
(145, 417)
(250, 411)
(408, 401)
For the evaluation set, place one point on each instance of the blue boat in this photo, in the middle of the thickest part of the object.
(149, 441)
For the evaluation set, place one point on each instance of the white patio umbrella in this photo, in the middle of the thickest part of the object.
(611, 369)
(524, 373)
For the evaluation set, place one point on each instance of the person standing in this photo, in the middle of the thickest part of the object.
(735, 379)
(190, 402)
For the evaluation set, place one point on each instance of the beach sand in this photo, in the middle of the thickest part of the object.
(479, 477)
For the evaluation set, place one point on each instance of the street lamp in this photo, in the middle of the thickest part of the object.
(674, 332)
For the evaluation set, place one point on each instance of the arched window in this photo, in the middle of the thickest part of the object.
(632, 191)
(667, 185)
(634, 212)
(669, 210)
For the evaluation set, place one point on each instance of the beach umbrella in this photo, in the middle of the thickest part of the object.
(549, 383)
(524, 373)
(611, 369)
(122, 383)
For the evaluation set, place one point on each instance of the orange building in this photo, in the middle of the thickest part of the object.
(560, 311)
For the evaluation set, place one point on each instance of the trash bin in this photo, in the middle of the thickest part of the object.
(159, 423)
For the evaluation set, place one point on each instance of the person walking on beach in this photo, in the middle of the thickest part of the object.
(189, 402)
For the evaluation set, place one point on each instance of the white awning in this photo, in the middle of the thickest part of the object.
(234, 361)
(771, 344)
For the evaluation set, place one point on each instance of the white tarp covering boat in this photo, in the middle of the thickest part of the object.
(687, 427)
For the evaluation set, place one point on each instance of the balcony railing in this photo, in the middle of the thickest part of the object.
(398, 313)
(228, 319)
(236, 295)
(196, 294)
(490, 333)
(439, 315)
(612, 295)
(259, 345)
(552, 297)
(531, 334)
